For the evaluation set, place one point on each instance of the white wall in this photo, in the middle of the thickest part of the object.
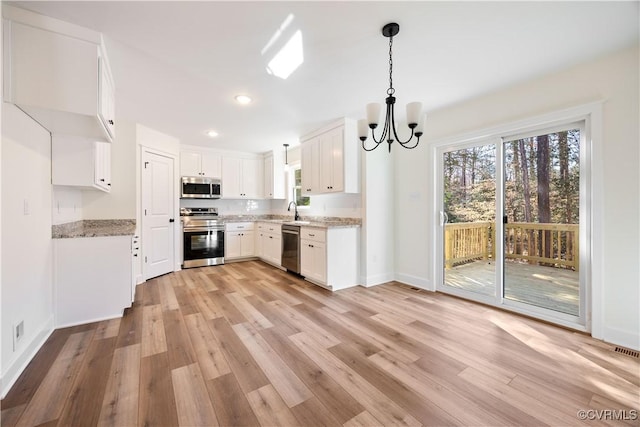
(377, 234)
(616, 244)
(1, 181)
(67, 204)
(120, 202)
(27, 288)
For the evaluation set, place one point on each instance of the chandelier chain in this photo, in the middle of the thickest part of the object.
(391, 90)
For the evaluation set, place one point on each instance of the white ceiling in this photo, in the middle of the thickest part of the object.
(178, 65)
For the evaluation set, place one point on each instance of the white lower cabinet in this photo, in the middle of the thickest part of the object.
(329, 257)
(92, 279)
(269, 243)
(313, 261)
(239, 240)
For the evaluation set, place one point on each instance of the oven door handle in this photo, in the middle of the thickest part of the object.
(198, 229)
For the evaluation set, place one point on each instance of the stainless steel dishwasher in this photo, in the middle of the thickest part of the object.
(291, 248)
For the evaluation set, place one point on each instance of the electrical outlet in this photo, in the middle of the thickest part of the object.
(25, 207)
(18, 333)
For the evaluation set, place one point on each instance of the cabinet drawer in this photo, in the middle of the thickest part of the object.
(315, 234)
(238, 226)
(268, 227)
(273, 228)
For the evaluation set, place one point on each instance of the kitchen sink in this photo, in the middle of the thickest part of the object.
(297, 222)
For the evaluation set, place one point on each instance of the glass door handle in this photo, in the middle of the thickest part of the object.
(444, 218)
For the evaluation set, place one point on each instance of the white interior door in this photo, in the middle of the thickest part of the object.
(158, 210)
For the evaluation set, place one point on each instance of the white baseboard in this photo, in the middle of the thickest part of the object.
(378, 279)
(15, 369)
(85, 322)
(621, 337)
(418, 282)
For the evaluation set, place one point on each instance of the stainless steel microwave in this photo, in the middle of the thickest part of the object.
(200, 187)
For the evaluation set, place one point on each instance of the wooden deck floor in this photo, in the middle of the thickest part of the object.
(246, 344)
(548, 287)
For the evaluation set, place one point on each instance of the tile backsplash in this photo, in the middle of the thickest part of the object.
(230, 207)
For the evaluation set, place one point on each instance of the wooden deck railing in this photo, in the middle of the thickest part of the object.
(467, 241)
(547, 244)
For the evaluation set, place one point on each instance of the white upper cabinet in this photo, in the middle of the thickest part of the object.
(58, 73)
(80, 162)
(274, 176)
(331, 160)
(106, 94)
(200, 164)
(310, 156)
(242, 178)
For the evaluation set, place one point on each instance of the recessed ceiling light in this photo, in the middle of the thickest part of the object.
(212, 134)
(243, 99)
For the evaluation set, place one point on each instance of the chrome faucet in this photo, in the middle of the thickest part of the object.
(296, 217)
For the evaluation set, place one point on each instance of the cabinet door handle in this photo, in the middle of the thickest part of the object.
(109, 184)
(101, 179)
(111, 122)
(172, 220)
(310, 246)
(312, 235)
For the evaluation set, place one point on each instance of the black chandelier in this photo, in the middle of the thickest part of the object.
(414, 109)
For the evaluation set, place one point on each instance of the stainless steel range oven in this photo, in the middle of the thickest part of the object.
(203, 241)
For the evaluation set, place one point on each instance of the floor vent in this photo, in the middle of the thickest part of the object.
(628, 352)
(415, 289)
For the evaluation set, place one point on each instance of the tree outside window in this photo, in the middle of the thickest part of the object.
(297, 187)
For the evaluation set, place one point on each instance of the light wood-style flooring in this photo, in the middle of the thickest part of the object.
(246, 344)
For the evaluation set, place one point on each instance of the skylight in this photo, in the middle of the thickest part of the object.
(288, 58)
(285, 49)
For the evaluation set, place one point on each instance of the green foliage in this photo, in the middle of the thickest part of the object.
(469, 180)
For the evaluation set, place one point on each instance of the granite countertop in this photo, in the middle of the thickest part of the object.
(311, 221)
(94, 228)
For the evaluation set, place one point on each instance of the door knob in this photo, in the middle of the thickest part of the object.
(171, 220)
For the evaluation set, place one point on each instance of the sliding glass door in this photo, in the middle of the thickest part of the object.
(468, 216)
(510, 214)
(541, 219)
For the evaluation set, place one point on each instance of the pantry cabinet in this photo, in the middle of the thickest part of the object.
(59, 74)
(80, 162)
(331, 160)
